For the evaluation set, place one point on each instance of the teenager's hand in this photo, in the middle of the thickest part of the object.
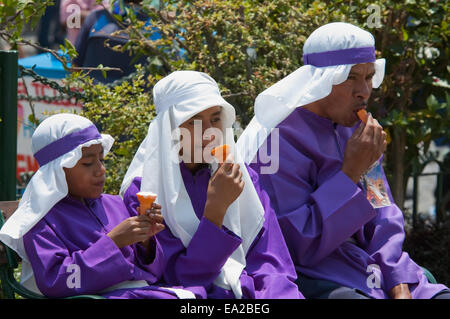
(363, 148)
(137, 228)
(224, 188)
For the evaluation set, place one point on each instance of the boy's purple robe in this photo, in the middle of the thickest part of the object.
(73, 233)
(331, 229)
(269, 272)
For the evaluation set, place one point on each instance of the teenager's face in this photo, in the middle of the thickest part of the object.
(202, 128)
(350, 96)
(87, 178)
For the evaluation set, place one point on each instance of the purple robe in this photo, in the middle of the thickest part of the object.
(331, 229)
(73, 233)
(269, 271)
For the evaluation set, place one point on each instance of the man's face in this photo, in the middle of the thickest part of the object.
(348, 97)
(205, 129)
(87, 178)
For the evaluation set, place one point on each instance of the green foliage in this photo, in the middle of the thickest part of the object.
(15, 14)
(244, 45)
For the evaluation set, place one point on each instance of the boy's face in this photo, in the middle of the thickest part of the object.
(204, 128)
(87, 178)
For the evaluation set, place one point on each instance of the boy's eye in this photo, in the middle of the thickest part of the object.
(87, 164)
(216, 120)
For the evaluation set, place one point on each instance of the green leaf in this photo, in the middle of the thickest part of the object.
(432, 102)
(405, 34)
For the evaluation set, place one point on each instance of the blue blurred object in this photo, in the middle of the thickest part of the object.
(45, 65)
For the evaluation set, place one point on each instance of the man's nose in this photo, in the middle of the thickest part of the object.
(363, 90)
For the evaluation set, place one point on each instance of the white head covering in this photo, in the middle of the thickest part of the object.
(329, 53)
(56, 143)
(178, 97)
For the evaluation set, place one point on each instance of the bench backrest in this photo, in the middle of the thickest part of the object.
(7, 208)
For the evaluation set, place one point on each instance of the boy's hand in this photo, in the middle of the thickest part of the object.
(224, 188)
(138, 228)
(156, 219)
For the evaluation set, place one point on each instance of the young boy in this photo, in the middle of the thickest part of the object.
(222, 233)
(72, 238)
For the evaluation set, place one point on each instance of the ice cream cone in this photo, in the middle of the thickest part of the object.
(221, 152)
(146, 200)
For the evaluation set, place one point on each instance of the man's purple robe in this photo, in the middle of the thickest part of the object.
(269, 271)
(72, 233)
(331, 229)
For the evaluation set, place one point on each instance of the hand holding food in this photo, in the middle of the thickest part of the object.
(146, 200)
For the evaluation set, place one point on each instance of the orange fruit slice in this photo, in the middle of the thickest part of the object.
(221, 152)
(146, 200)
(362, 114)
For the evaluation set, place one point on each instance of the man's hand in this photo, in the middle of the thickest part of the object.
(138, 228)
(224, 188)
(401, 291)
(363, 148)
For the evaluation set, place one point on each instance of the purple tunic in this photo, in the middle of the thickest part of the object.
(331, 230)
(73, 233)
(269, 272)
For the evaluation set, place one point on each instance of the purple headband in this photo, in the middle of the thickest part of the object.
(66, 144)
(340, 57)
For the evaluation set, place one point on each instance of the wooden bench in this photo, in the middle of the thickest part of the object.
(9, 262)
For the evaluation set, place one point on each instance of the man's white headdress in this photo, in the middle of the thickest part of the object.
(178, 97)
(329, 53)
(56, 143)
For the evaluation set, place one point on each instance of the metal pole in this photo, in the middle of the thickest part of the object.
(439, 195)
(415, 199)
(8, 124)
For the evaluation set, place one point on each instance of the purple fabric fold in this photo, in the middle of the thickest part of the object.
(340, 57)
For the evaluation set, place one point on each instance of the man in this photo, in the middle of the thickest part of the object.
(342, 244)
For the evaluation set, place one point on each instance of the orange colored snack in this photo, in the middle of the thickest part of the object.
(146, 200)
(221, 152)
(362, 114)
